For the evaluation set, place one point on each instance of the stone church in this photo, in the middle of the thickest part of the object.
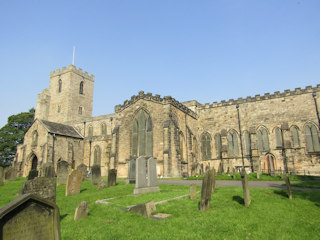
(270, 133)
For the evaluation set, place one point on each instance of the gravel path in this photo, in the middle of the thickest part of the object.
(224, 183)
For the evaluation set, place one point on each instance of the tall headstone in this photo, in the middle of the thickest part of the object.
(74, 183)
(62, 172)
(245, 187)
(112, 177)
(132, 171)
(193, 192)
(95, 174)
(206, 190)
(32, 174)
(10, 173)
(81, 211)
(42, 187)
(146, 176)
(1, 176)
(30, 217)
(83, 169)
(288, 186)
(48, 170)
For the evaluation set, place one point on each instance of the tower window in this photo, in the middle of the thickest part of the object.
(60, 86)
(81, 88)
(80, 110)
(59, 108)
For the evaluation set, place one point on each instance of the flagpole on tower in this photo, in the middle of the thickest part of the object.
(74, 50)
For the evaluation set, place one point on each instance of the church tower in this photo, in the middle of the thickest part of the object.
(69, 97)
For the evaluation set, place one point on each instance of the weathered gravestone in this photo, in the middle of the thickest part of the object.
(95, 174)
(81, 211)
(10, 173)
(48, 170)
(234, 176)
(214, 180)
(32, 174)
(83, 169)
(288, 186)
(144, 209)
(101, 184)
(62, 172)
(132, 171)
(28, 218)
(245, 187)
(74, 183)
(112, 177)
(146, 176)
(42, 187)
(1, 176)
(193, 192)
(206, 190)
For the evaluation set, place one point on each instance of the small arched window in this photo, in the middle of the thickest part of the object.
(34, 139)
(263, 140)
(90, 131)
(103, 129)
(277, 132)
(247, 141)
(206, 146)
(80, 110)
(295, 137)
(81, 87)
(233, 148)
(217, 139)
(312, 138)
(60, 86)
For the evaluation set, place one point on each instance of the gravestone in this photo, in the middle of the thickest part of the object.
(288, 186)
(101, 184)
(81, 211)
(1, 176)
(74, 183)
(193, 192)
(32, 174)
(42, 187)
(112, 177)
(206, 190)
(62, 172)
(28, 218)
(132, 171)
(95, 174)
(83, 169)
(10, 173)
(48, 170)
(214, 180)
(144, 209)
(146, 176)
(245, 187)
(234, 176)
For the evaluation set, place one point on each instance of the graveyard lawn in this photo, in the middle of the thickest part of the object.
(271, 214)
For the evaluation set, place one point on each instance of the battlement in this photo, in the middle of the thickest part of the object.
(72, 68)
(157, 99)
(266, 96)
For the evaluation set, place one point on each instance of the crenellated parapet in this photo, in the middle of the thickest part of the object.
(266, 96)
(72, 68)
(156, 99)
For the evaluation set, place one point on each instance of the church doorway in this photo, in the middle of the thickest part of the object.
(34, 163)
(269, 163)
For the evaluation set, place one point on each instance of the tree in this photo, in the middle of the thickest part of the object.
(12, 134)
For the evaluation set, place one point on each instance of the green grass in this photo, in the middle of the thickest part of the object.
(271, 215)
(306, 184)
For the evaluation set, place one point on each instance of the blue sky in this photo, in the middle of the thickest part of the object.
(203, 50)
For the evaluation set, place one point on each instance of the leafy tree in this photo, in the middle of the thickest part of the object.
(12, 134)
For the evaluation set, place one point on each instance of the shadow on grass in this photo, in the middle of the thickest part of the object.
(311, 196)
(82, 190)
(281, 193)
(63, 216)
(238, 199)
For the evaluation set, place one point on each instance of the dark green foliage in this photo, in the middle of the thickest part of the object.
(12, 134)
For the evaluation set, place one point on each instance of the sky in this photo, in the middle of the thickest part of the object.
(191, 50)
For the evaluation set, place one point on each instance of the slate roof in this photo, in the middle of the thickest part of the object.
(61, 129)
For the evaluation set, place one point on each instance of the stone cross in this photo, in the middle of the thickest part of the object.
(62, 172)
(42, 187)
(193, 192)
(112, 177)
(206, 190)
(74, 183)
(30, 217)
(288, 186)
(32, 174)
(95, 174)
(245, 187)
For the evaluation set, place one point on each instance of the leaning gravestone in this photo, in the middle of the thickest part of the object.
(112, 177)
(74, 183)
(42, 187)
(62, 172)
(206, 190)
(48, 170)
(146, 176)
(245, 187)
(32, 174)
(96, 174)
(132, 171)
(144, 209)
(288, 186)
(28, 218)
(81, 211)
(10, 174)
(83, 169)
(193, 192)
(1, 176)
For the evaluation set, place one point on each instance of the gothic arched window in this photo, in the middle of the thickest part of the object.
(206, 146)
(247, 141)
(80, 110)
(34, 138)
(263, 140)
(103, 129)
(233, 148)
(60, 86)
(312, 138)
(217, 139)
(142, 135)
(278, 137)
(81, 87)
(295, 137)
(90, 131)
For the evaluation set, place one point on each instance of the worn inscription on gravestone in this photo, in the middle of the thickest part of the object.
(83, 169)
(206, 190)
(96, 174)
(74, 183)
(28, 218)
(62, 172)
(42, 187)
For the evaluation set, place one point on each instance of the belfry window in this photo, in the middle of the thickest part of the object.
(233, 148)
(81, 87)
(206, 146)
(312, 138)
(80, 110)
(142, 135)
(103, 129)
(60, 86)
